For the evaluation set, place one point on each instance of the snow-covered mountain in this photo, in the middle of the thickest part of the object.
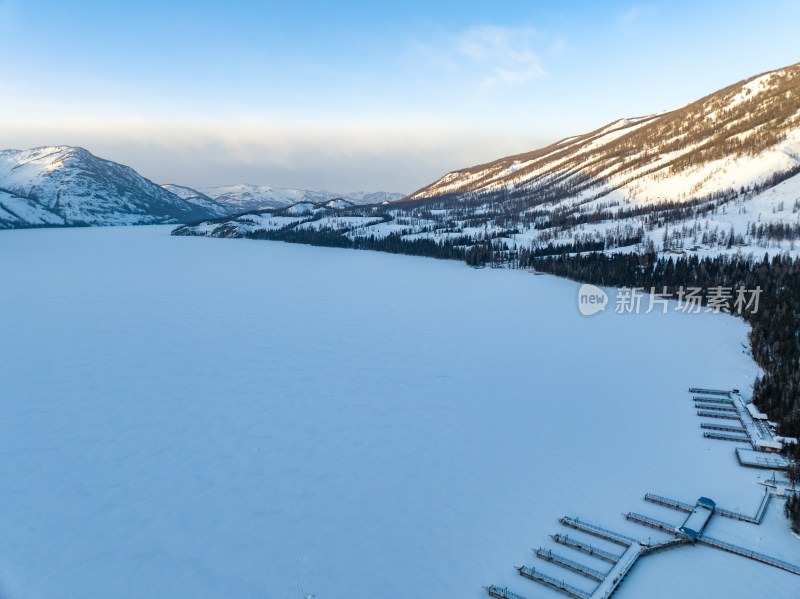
(737, 137)
(244, 197)
(720, 171)
(721, 174)
(66, 185)
(198, 199)
(373, 197)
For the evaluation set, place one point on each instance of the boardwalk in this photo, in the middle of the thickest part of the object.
(597, 531)
(501, 593)
(586, 548)
(553, 583)
(754, 555)
(747, 425)
(569, 564)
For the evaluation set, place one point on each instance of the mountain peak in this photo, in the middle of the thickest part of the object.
(66, 185)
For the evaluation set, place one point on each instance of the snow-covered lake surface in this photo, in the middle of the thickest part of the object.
(194, 417)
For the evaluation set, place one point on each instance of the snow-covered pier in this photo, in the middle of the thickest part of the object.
(721, 392)
(713, 426)
(620, 570)
(714, 407)
(715, 400)
(754, 555)
(691, 531)
(688, 508)
(762, 508)
(724, 436)
(597, 531)
(553, 583)
(501, 593)
(676, 542)
(757, 459)
(753, 428)
(607, 581)
(586, 548)
(651, 522)
(569, 564)
(667, 502)
(723, 415)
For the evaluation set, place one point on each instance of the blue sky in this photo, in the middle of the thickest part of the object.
(354, 95)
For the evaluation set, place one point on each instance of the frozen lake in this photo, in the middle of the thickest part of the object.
(192, 417)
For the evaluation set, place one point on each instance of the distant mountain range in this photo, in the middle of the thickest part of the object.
(720, 174)
(69, 186)
(243, 197)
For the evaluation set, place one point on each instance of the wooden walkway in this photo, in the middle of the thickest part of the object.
(597, 531)
(714, 407)
(553, 583)
(710, 403)
(722, 400)
(685, 507)
(715, 392)
(576, 567)
(586, 548)
(667, 502)
(712, 426)
(651, 522)
(759, 557)
(721, 415)
(722, 436)
(501, 593)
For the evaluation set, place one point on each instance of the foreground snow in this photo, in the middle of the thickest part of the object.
(193, 417)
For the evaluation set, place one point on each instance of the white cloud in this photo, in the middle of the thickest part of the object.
(504, 52)
(481, 57)
(634, 13)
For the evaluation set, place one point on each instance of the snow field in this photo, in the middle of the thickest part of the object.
(203, 417)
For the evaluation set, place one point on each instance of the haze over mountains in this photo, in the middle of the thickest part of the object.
(243, 197)
(718, 174)
(65, 185)
(721, 171)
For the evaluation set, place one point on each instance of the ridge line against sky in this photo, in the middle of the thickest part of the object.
(359, 96)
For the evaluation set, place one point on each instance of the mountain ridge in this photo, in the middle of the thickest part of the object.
(68, 185)
(741, 120)
(719, 174)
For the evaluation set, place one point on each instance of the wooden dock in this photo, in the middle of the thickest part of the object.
(501, 593)
(676, 542)
(670, 503)
(722, 415)
(712, 426)
(715, 392)
(618, 573)
(598, 531)
(576, 567)
(586, 548)
(709, 403)
(723, 400)
(724, 436)
(553, 583)
(714, 407)
(651, 522)
(759, 557)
